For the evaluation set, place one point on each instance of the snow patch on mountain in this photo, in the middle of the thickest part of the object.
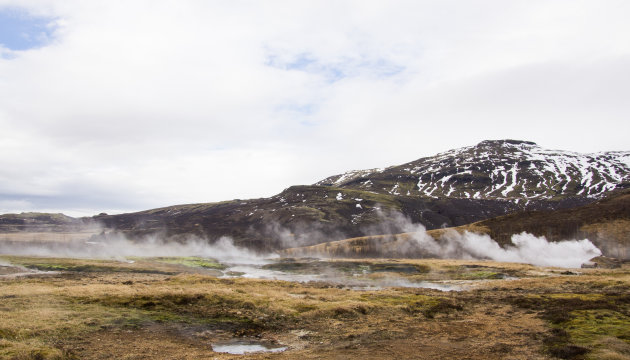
(499, 169)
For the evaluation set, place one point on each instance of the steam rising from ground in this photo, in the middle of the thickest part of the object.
(119, 247)
(527, 248)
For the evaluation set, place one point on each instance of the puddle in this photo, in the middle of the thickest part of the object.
(257, 272)
(246, 347)
(379, 285)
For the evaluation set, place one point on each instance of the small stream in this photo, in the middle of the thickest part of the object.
(345, 280)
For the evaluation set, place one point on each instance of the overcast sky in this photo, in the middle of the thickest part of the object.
(118, 106)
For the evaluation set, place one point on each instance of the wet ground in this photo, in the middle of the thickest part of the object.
(246, 346)
(371, 275)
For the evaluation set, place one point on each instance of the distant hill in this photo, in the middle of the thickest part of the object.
(35, 222)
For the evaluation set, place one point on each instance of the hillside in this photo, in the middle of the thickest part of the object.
(300, 215)
(606, 223)
(454, 188)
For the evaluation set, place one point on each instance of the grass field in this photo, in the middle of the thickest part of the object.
(176, 308)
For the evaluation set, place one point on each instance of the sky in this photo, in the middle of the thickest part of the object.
(117, 106)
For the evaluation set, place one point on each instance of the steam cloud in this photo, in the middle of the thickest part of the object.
(119, 247)
(527, 248)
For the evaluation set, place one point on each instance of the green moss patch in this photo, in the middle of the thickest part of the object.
(225, 312)
(192, 261)
(429, 306)
(587, 326)
(580, 321)
(92, 268)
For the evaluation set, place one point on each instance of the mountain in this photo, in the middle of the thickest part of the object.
(509, 170)
(605, 222)
(454, 188)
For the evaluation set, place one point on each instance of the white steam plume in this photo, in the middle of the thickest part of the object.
(527, 248)
(119, 247)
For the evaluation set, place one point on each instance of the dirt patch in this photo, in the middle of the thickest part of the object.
(151, 342)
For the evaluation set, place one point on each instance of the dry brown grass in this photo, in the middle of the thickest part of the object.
(133, 315)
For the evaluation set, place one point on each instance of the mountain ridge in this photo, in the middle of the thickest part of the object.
(436, 191)
(472, 172)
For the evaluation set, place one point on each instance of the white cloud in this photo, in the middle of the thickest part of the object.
(10, 205)
(138, 104)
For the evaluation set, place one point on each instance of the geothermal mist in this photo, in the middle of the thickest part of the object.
(527, 248)
(119, 247)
